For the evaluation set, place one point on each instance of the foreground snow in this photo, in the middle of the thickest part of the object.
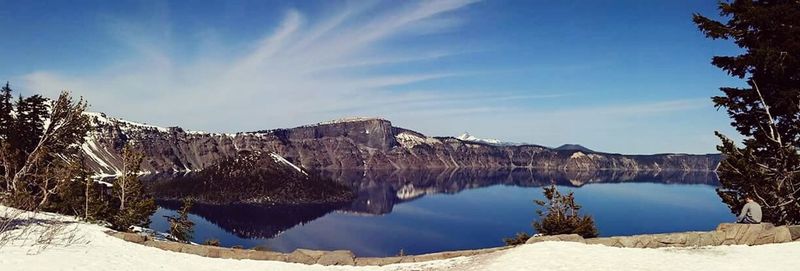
(90, 249)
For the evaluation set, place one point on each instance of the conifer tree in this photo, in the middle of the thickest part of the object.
(34, 171)
(82, 197)
(135, 206)
(29, 123)
(6, 120)
(180, 226)
(560, 215)
(767, 111)
(7, 153)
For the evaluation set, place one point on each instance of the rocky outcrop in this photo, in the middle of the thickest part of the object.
(366, 144)
(725, 234)
(304, 256)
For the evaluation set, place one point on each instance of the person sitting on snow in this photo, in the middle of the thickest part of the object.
(751, 212)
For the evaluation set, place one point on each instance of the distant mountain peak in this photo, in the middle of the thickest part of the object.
(574, 147)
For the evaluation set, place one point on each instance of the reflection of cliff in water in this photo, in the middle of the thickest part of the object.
(378, 191)
(256, 221)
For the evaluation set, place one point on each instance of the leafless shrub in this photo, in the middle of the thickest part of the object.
(37, 231)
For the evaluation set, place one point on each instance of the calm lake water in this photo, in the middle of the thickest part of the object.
(422, 212)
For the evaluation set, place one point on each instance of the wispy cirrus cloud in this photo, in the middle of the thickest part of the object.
(299, 69)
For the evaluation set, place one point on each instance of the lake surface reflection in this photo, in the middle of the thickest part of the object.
(430, 211)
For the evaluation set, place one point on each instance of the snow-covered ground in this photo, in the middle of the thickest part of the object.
(92, 250)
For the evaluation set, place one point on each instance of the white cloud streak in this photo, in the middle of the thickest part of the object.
(308, 70)
(301, 67)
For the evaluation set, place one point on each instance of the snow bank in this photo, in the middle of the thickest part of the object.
(97, 251)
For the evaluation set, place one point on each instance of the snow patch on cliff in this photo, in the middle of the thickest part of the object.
(577, 155)
(409, 140)
(90, 148)
(467, 137)
(280, 159)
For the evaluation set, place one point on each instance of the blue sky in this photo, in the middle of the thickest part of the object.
(616, 76)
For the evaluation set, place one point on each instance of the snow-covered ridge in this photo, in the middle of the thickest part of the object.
(101, 118)
(349, 119)
(467, 137)
(97, 118)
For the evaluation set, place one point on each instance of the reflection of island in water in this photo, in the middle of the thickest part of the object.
(379, 191)
(256, 221)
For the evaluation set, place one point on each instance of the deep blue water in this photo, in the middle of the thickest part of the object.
(454, 215)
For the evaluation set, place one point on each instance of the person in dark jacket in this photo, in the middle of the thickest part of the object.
(751, 212)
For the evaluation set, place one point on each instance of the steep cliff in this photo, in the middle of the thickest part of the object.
(362, 143)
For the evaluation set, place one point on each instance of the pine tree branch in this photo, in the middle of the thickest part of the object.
(773, 129)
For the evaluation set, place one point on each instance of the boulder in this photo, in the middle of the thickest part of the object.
(628, 241)
(337, 257)
(171, 246)
(772, 236)
(305, 256)
(133, 237)
(560, 237)
(672, 239)
(268, 256)
(705, 239)
(235, 253)
(753, 234)
(783, 235)
(794, 230)
(198, 250)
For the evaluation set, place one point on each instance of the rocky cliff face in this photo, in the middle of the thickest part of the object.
(364, 144)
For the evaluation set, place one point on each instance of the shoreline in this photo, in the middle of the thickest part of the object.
(725, 234)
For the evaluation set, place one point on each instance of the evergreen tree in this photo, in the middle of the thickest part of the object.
(180, 226)
(82, 197)
(29, 124)
(135, 206)
(767, 111)
(35, 170)
(6, 120)
(560, 215)
(7, 153)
